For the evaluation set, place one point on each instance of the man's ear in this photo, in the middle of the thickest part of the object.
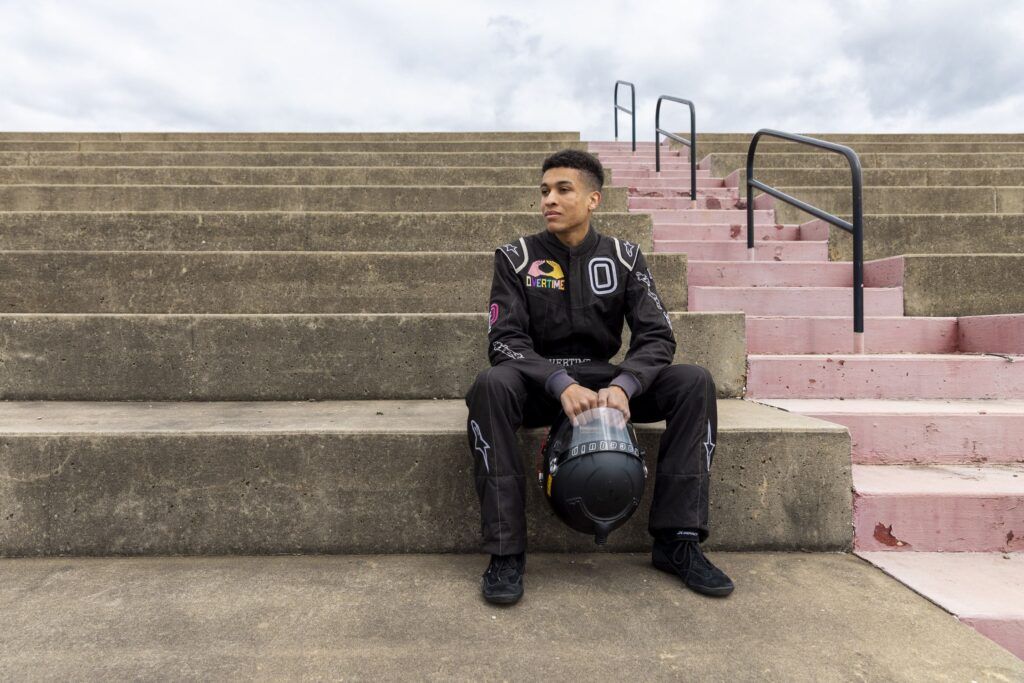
(594, 200)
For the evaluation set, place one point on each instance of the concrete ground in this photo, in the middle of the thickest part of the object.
(793, 617)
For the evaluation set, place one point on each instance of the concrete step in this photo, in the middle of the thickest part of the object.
(949, 432)
(268, 175)
(794, 300)
(667, 176)
(892, 177)
(274, 357)
(721, 164)
(677, 187)
(983, 590)
(717, 232)
(770, 274)
(258, 478)
(680, 191)
(766, 146)
(953, 284)
(266, 282)
(421, 617)
(905, 200)
(893, 235)
(290, 231)
(359, 159)
(834, 334)
(735, 250)
(706, 216)
(705, 201)
(908, 376)
(452, 136)
(377, 146)
(846, 138)
(938, 508)
(279, 198)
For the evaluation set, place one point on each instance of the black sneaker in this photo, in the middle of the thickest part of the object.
(502, 583)
(686, 560)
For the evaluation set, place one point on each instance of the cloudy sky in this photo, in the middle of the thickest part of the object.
(440, 65)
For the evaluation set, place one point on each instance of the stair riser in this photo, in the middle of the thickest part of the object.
(885, 378)
(835, 335)
(380, 147)
(939, 439)
(360, 159)
(278, 198)
(705, 216)
(262, 231)
(796, 301)
(938, 523)
(445, 136)
(722, 232)
(771, 274)
(289, 282)
(346, 357)
(336, 493)
(703, 202)
(737, 250)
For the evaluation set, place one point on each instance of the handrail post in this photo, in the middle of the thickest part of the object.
(691, 143)
(856, 228)
(631, 111)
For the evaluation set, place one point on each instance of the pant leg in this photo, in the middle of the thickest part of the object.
(500, 401)
(683, 396)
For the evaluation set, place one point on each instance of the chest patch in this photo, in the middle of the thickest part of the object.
(545, 274)
(603, 277)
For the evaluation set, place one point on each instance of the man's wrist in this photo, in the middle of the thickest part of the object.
(627, 382)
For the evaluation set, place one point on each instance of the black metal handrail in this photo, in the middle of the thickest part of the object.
(631, 111)
(856, 228)
(691, 143)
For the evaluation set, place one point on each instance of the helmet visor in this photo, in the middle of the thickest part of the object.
(601, 429)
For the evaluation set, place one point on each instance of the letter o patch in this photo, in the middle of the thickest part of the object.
(603, 277)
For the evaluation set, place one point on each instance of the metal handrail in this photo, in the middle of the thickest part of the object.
(631, 111)
(691, 143)
(856, 228)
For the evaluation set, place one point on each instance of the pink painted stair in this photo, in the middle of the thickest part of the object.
(938, 435)
(941, 432)
(939, 508)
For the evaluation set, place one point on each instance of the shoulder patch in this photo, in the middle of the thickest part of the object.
(516, 253)
(627, 252)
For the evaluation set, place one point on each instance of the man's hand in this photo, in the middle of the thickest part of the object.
(577, 399)
(614, 397)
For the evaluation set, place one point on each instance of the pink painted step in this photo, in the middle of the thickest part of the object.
(644, 184)
(794, 300)
(677, 191)
(703, 202)
(723, 231)
(992, 333)
(983, 590)
(834, 334)
(734, 250)
(702, 216)
(908, 376)
(950, 432)
(769, 274)
(938, 508)
(665, 176)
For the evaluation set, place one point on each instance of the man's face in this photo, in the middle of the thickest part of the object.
(566, 199)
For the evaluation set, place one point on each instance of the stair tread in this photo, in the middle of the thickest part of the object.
(888, 406)
(395, 416)
(957, 480)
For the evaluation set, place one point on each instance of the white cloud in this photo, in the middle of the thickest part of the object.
(444, 65)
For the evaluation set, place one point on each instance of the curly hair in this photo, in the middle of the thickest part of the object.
(587, 164)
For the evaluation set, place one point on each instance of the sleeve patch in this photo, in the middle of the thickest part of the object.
(516, 254)
(627, 253)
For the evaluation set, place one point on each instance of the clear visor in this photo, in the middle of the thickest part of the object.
(600, 425)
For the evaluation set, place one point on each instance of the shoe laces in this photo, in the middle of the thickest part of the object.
(686, 552)
(503, 566)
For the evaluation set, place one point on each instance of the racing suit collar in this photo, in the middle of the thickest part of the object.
(582, 249)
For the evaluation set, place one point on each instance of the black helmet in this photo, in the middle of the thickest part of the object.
(593, 473)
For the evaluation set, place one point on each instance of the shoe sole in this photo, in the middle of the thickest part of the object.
(502, 598)
(703, 590)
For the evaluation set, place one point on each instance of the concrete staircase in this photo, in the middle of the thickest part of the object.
(253, 344)
(231, 345)
(936, 407)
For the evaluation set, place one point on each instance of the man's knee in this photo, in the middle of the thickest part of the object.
(687, 379)
(496, 380)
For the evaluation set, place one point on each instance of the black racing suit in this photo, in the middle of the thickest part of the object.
(556, 317)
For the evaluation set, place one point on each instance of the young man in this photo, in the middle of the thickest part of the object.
(558, 302)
